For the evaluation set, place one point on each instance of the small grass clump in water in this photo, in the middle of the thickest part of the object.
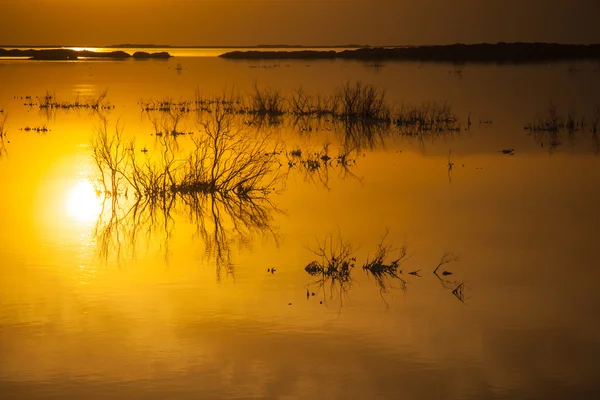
(552, 122)
(335, 265)
(429, 117)
(50, 102)
(38, 129)
(383, 270)
(362, 101)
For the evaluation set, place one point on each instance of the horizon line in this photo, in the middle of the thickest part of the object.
(279, 45)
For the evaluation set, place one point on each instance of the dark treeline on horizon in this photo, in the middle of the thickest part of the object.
(456, 53)
(68, 54)
(483, 52)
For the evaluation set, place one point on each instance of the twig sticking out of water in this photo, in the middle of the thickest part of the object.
(457, 287)
(446, 259)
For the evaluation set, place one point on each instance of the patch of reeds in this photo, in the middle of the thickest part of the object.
(428, 117)
(50, 102)
(552, 121)
(357, 109)
(595, 120)
(363, 102)
(302, 104)
(549, 129)
(594, 130)
(385, 270)
(266, 102)
(167, 105)
(316, 164)
(38, 129)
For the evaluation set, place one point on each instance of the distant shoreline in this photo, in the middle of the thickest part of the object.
(167, 46)
(456, 53)
(70, 55)
(501, 53)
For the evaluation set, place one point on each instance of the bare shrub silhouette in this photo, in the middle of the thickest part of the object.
(385, 271)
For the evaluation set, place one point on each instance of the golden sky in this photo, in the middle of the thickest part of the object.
(308, 22)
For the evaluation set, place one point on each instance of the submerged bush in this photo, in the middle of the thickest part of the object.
(222, 160)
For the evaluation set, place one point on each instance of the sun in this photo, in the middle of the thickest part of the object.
(82, 203)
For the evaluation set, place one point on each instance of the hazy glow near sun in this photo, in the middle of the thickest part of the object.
(82, 203)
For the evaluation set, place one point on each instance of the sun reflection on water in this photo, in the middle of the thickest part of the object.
(82, 202)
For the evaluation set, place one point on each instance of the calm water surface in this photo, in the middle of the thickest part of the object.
(155, 307)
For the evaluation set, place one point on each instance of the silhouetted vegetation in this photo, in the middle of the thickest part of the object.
(426, 118)
(38, 129)
(552, 121)
(456, 53)
(3, 118)
(356, 110)
(224, 160)
(49, 105)
(594, 129)
(67, 54)
(315, 165)
(457, 288)
(336, 263)
(266, 102)
(222, 184)
(385, 271)
(549, 129)
(334, 269)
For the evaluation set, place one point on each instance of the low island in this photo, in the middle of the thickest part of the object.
(69, 54)
(455, 53)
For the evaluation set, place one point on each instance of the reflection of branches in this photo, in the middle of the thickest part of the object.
(49, 105)
(2, 135)
(550, 137)
(222, 185)
(335, 267)
(384, 272)
(364, 134)
(594, 129)
(457, 287)
(549, 128)
(459, 292)
(218, 220)
(315, 165)
(450, 166)
(359, 112)
(120, 226)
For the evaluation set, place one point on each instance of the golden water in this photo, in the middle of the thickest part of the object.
(159, 317)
